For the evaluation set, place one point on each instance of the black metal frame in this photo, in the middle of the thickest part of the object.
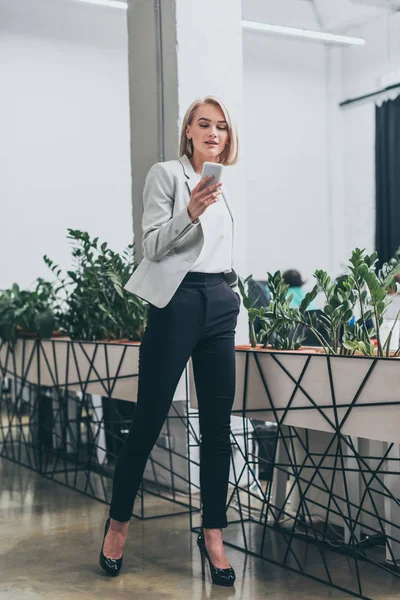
(56, 430)
(345, 543)
(59, 429)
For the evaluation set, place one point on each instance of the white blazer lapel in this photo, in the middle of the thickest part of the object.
(188, 172)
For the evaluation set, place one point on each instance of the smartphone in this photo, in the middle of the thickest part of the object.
(214, 169)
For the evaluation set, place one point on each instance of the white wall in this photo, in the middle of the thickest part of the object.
(362, 71)
(64, 148)
(286, 145)
(309, 164)
(64, 122)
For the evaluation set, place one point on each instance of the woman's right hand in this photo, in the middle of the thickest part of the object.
(202, 196)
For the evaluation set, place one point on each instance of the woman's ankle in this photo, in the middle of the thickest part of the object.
(119, 526)
(213, 533)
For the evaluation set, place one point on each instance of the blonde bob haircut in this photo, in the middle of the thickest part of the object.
(229, 156)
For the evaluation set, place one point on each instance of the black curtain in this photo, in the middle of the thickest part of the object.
(387, 161)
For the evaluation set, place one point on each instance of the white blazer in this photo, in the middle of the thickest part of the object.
(171, 243)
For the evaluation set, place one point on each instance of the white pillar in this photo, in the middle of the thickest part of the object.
(180, 50)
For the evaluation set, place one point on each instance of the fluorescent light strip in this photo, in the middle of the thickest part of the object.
(109, 3)
(303, 33)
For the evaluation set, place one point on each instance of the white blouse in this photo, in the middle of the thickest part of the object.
(216, 253)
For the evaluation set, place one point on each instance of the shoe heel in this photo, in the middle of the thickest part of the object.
(203, 562)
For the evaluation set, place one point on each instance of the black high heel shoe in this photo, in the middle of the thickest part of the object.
(218, 576)
(111, 566)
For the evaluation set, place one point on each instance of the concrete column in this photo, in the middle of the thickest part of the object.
(180, 50)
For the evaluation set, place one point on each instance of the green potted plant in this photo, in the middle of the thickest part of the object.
(104, 322)
(25, 313)
(363, 291)
(89, 305)
(350, 383)
(95, 305)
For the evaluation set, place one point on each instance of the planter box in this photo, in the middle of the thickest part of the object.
(358, 394)
(104, 368)
(75, 393)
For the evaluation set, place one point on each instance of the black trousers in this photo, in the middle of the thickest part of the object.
(198, 322)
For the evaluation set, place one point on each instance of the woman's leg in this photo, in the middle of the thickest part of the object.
(215, 376)
(168, 342)
(214, 370)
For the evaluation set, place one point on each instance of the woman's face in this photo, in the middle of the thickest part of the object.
(209, 132)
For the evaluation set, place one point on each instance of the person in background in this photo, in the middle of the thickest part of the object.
(259, 295)
(394, 306)
(394, 290)
(295, 282)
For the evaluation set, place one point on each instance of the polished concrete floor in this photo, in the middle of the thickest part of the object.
(50, 539)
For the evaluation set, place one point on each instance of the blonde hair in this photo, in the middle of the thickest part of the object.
(229, 156)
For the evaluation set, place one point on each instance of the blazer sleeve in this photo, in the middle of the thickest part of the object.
(161, 230)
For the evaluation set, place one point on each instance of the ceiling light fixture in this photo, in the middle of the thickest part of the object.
(108, 3)
(319, 36)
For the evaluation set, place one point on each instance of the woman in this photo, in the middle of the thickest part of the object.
(186, 276)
